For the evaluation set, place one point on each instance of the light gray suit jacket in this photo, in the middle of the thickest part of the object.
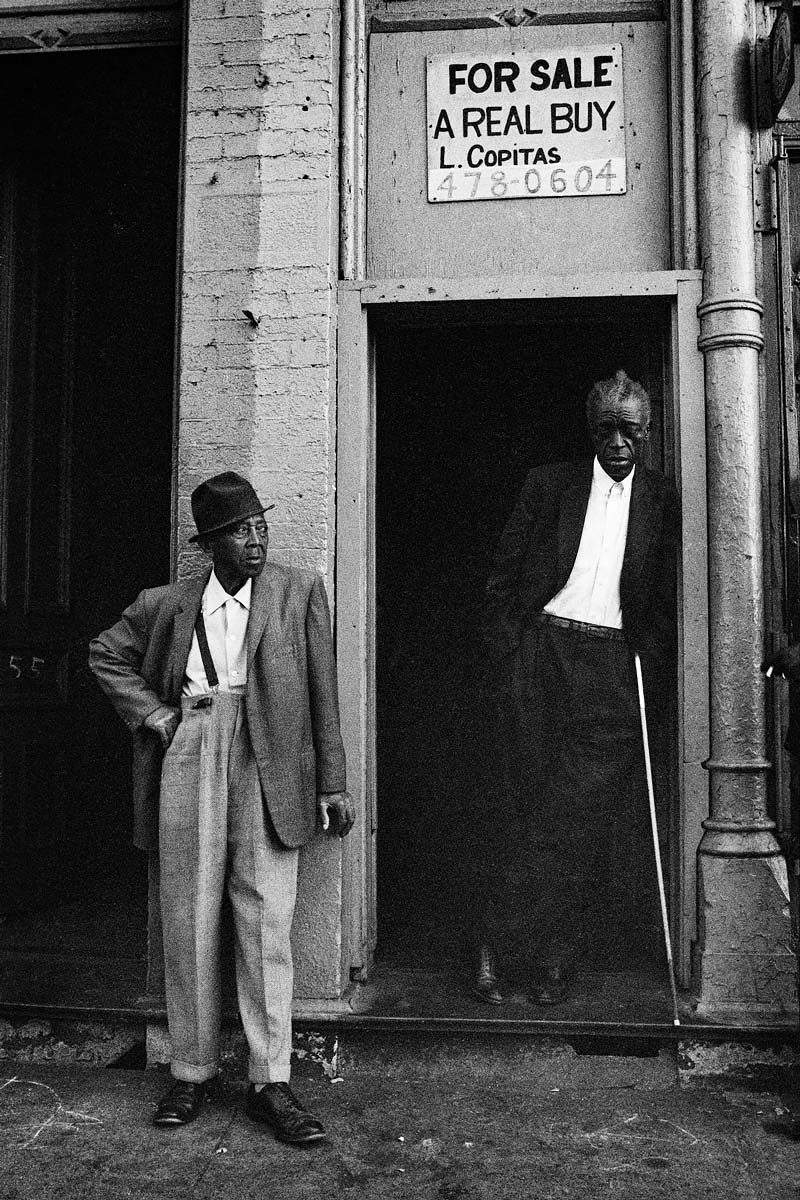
(291, 697)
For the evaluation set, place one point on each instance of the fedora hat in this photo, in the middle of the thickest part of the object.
(224, 500)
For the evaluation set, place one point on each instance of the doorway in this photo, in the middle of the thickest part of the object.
(89, 168)
(470, 397)
(782, 464)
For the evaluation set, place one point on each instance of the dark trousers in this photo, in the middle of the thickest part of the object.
(575, 767)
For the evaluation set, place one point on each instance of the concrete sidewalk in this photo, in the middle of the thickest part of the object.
(457, 1126)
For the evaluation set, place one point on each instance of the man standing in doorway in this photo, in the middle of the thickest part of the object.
(584, 576)
(228, 684)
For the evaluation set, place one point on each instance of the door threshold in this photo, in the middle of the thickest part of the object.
(664, 1033)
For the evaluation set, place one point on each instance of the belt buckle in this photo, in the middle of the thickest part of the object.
(203, 702)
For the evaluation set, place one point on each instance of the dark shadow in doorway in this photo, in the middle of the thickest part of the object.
(467, 401)
(89, 170)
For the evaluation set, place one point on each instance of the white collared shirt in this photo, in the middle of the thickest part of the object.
(592, 591)
(225, 618)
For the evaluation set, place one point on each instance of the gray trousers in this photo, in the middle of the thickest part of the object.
(213, 831)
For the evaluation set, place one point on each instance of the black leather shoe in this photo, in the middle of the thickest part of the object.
(181, 1103)
(277, 1106)
(552, 986)
(486, 983)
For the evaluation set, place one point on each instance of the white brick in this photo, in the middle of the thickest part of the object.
(226, 30)
(207, 98)
(289, 328)
(238, 175)
(222, 122)
(295, 167)
(203, 149)
(303, 303)
(202, 461)
(202, 56)
(302, 386)
(295, 228)
(276, 95)
(196, 403)
(197, 307)
(224, 231)
(298, 117)
(265, 53)
(215, 382)
(258, 235)
(311, 22)
(226, 75)
(204, 9)
(309, 352)
(311, 142)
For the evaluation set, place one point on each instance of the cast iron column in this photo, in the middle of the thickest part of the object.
(747, 965)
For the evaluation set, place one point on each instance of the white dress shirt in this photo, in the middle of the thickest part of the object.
(225, 619)
(592, 591)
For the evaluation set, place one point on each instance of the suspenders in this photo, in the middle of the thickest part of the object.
(205, 653)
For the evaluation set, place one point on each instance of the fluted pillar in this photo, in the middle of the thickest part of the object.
(747, 964)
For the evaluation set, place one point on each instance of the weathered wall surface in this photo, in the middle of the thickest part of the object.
(408, 236)
(257, 332)
(255, 391)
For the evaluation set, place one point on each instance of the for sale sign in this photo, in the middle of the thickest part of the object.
(526, 124)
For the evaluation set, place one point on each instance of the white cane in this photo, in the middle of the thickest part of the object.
(656, 849)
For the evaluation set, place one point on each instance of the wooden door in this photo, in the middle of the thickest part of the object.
(88, 182)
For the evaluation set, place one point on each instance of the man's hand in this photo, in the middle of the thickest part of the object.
(785, 661)
(336, 812)
(163, 722)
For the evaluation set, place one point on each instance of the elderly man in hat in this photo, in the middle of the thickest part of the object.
(584, 576)
(228, 684)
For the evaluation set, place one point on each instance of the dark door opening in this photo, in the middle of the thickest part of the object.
(782, 360)
(468, 399)
(89, 165)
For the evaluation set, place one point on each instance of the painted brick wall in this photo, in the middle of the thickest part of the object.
(260, 234)
(257, 392)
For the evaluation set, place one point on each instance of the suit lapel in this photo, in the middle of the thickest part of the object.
(263, 611)
(642, 526)
(183, 628)
(570, 519)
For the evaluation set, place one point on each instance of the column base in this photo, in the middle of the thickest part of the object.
(747, 959)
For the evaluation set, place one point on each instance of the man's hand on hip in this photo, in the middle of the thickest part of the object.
(163, 722)
(336, 812)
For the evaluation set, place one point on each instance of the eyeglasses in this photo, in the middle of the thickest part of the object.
(243, 531)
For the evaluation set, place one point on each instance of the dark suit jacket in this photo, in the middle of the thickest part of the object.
(540, 542)
(291, 697)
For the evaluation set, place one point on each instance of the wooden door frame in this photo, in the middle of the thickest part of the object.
(44, 26)
(355, 558)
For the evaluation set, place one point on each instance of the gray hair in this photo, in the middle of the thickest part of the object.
(619, 387)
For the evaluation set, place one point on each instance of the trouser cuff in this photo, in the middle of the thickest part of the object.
(192, 1072)
(262, 1073)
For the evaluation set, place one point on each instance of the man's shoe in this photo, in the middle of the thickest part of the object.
(277, 1106)
(552, 985)
(181, 1103)
(486, 982)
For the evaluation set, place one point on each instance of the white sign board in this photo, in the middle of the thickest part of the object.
(526, 124)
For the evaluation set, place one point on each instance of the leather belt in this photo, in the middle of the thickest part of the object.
(584, 627)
